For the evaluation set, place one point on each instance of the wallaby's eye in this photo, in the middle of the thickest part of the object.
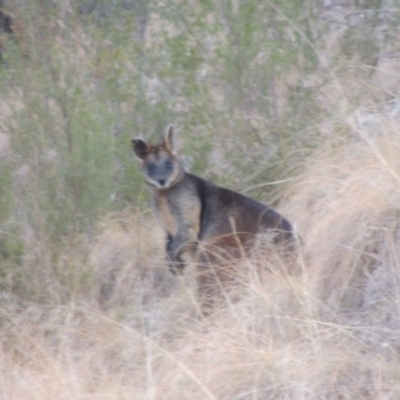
(168, 164)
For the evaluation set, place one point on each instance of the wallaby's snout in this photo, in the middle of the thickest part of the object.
(161, 169)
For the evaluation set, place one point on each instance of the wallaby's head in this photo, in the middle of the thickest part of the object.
(161, 166)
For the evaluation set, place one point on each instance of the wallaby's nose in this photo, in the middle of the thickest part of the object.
(161, 182)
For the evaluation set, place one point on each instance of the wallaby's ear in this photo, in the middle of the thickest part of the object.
(168, 140)
(140, 148)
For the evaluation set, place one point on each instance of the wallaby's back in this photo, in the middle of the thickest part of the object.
(225, 212)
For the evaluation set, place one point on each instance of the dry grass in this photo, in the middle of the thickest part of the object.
(104, 318)
(331, 332)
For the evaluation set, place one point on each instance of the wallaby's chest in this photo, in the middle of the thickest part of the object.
(166, 214)
(178, 210)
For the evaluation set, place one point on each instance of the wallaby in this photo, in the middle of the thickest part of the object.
(197, 214)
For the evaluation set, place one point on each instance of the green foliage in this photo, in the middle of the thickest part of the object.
(85, 77)
(11, 243)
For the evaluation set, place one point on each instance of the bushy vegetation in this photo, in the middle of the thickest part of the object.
(294, 103)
